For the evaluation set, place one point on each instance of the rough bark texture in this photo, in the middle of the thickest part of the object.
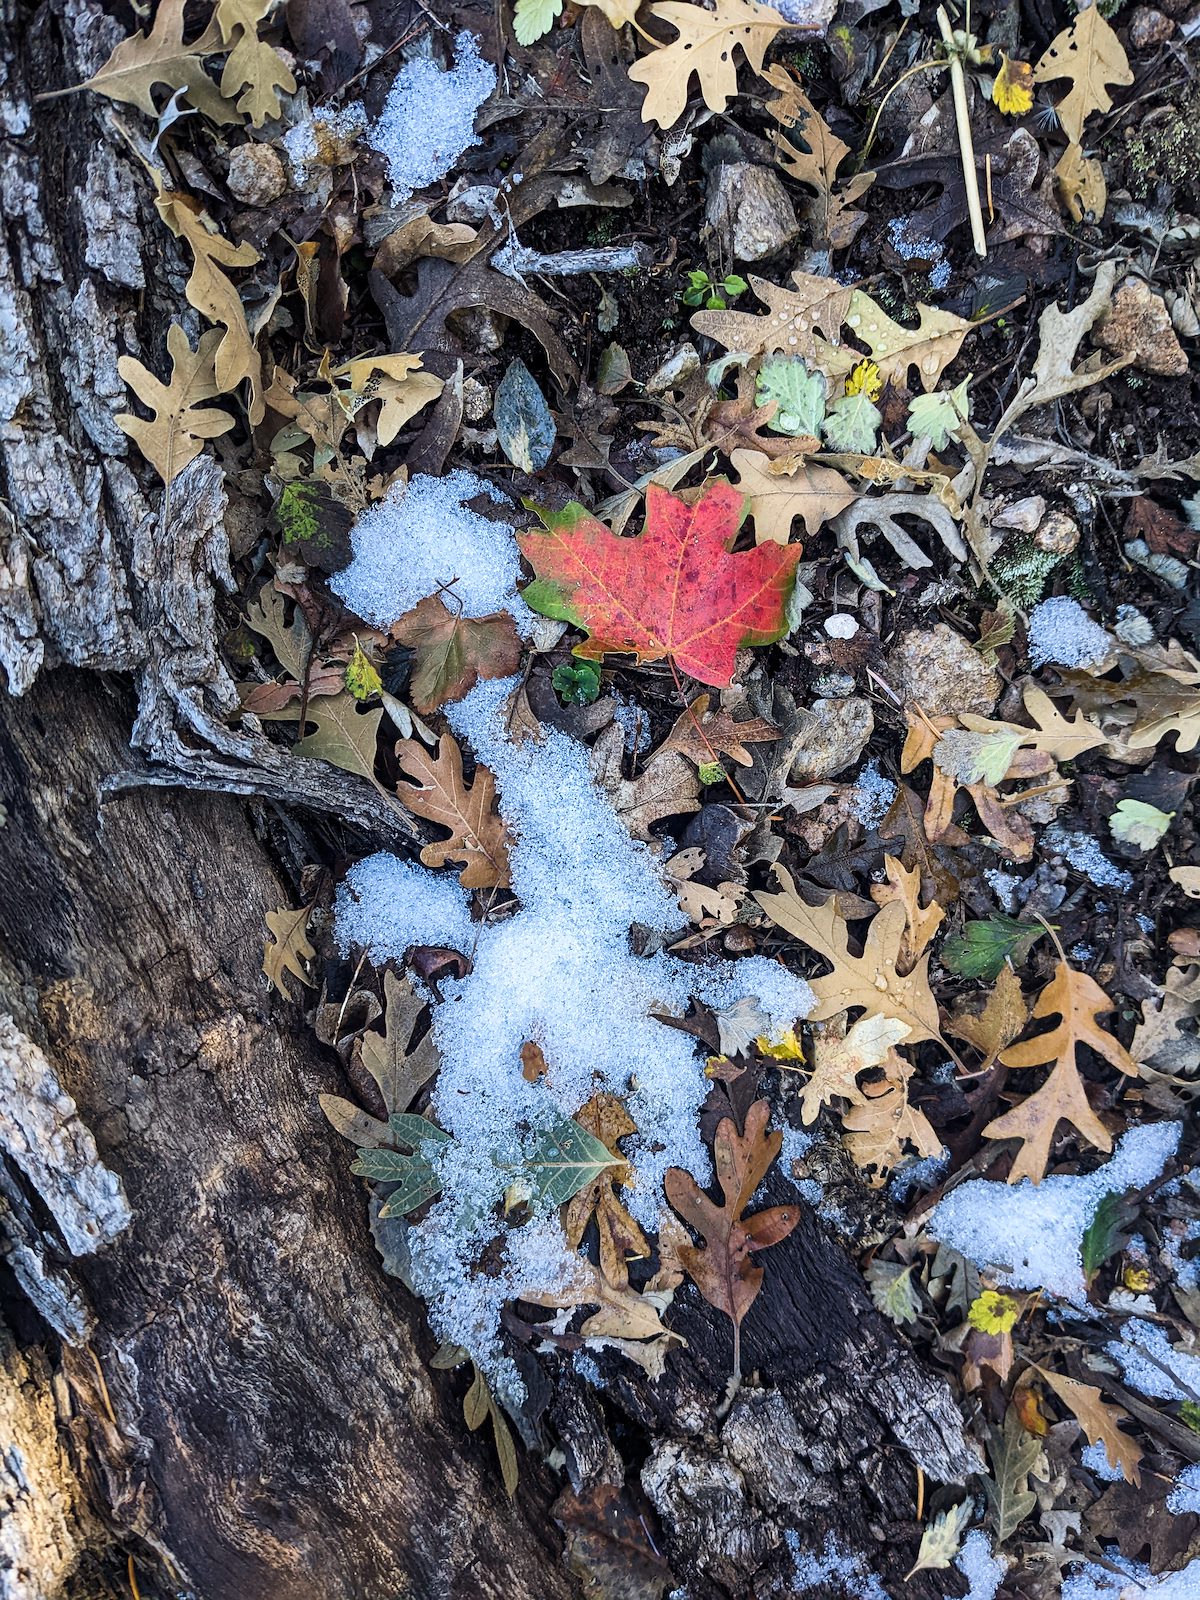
(204, 1366)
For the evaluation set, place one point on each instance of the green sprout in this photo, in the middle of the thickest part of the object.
(709, 293)
(577, 683)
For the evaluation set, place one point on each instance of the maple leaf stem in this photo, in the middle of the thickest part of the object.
(695, 721)
(1062, 955)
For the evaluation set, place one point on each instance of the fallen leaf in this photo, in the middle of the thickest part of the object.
(1076, 1000)
(342, 736)
(454, 652)
(1136, 823)
(700, 733)
(721, 1268)
(984, 949)
(995, 1023)
(1187, 879)
(394, 380)
(833, 215)
(144, 60)
(667, 786)
(1101, 1422)
(177, 432)
(524, 425)
(1080, 186)
(565, 1159)
(1013, 1454)
(892, 1291)
(811, 492)
(1054, 735)
(870, 981)
(215, 296)
(940, 1541)
(676, 590)
(621, 1239)
(993, 1312)
(699, 901)
(705, 46)
(838, 1061)
(291, 951)
(921, 922)
(253, 69)
(478, 837)
(1012, 87)
(882, 1124)
(1091, 55)
(930, 346)
(794, 317)
(400, 1068)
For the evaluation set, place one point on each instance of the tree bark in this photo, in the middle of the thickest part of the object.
(206, 1371)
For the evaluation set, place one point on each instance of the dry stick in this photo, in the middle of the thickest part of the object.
(966, 147)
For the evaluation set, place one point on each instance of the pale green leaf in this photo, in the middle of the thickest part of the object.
(941, 1539)
(852, 424)
(1138, 824)
(1013, 1454)
(534, 18)
(892, 1291)
(565, 1159)
(977, 757)
(936, 416)
(799, 395)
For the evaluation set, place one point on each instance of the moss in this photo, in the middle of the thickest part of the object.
(1166, 149)
(1022, 568)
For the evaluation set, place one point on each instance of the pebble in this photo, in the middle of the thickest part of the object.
(831, 736)
(1139, 325)
(1057, 534)
(256, 176)
(751, 208)
(841, 625)
(938, 670)
(1149, 27)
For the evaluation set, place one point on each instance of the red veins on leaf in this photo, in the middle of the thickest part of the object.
(676, 590)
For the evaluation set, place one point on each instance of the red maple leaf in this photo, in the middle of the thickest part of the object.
(676, 590)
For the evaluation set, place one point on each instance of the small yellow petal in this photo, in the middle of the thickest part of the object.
(866, 378)
(1012, 90)
(788, 1048)
(993, 1312)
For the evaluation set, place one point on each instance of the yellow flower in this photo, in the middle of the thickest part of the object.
(993, 1312)
(788, 1048)
(1012, 89)
(866, 378)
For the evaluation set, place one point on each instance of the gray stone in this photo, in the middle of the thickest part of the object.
(750, 210)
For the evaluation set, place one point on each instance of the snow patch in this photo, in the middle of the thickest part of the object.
(1131, 1581)
(560, 972)
(1095, 1459)
(1029, 1234)
(1185, 1496)
(834, 1565)
(428, 118)
(1080, 850)
(1152, 1365)
(873, 795)
(982, 1570)
(421, 538)
(1061, 631)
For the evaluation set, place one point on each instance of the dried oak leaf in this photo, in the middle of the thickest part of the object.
(837, 1062)
(870, 981)
(342, 737)
(701, 734)
(143, 60)
(215, 296)
(667, 786)
(1054, 735)
(253, 69)
(833, 215)
(921, 922)
(705, 46)
(881, 1124)
(1091, 55)
(995, 1023)
(400, 1068)
(180, 425)
(291, 951)
(478, 837)
(1101, 1422)
(454, 652)
(721, 1268)
(930, 347)
(1164, 532)
(621, 1240)
(677, 590)
(1077, 1000)
(807, 490)
(791, 325)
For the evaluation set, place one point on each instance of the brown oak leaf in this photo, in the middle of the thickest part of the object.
(478, 837)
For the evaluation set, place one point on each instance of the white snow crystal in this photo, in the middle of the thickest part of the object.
(1082, 852)
(1154, 1366)
(1061, 631)
(1185, 1496)
(918, 1176)
(1131, 1581)
(873, 795)
(561, 972)
(834, 1565)
(982, 1570)
(422, 537)
(1031, 1234)
(312, 146)
(428, 118)
(1095, 1459)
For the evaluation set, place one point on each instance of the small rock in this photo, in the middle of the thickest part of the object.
(1139, 325)
(680, 364)
(1058, 534)
(481, 328)
(750, 206)
(1149, 27)
(1020, 516)
(938, 670)
(477, 400)
(472, 203)
(841, 625)
(829, 737)
(256, 176)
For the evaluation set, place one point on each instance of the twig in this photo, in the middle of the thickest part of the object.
(966, 146)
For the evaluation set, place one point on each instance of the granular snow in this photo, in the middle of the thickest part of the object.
(833, 1566)
(918, 1176)
(1095, 1459)
(873, 795)
(982, 1570)
(1061, 631)
(428, 118)
(422, 538)
(1080, 850)
(1152, 1365)
(323, 140)
(1029, 1234)
(1131, 1581)
(1185, 1496)
(559, 972)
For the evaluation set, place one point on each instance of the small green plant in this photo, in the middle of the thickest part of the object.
(576, 683)
(709, 293)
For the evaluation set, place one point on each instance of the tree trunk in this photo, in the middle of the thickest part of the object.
(207, 1373)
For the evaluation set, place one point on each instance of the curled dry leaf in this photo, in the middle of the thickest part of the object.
(722, 1268)
(699, 901)
(832, 214)
(1101, 1422)
(838, 1060)
(1076, 1000)
(478, 837)
(995, 1023)
(621, 1240)
(921, 922)
(701, 734)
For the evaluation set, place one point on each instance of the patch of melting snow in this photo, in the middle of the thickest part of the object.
(428, 118)
(1080, 850)
(1131, 1581)
(1152, 1365)
(834, 1566)
(982, 1570)
(561, 972)
(1185, 1496)
(1095, 1459)
(1031, 1235)
(1061, 631)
